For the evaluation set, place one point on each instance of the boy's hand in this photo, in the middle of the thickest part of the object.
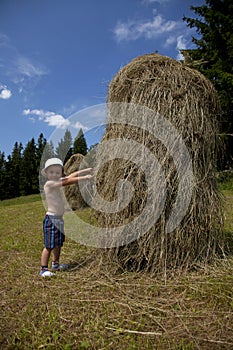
(86, 170)
(89, 177)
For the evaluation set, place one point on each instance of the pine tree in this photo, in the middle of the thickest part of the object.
(2, 175)
(214, 57)
(80, 145)
(41, 144)
(11, 170)
(64, 149)
(8, 181)
(90, 158)
(19, 173)
(16, 169)
(30, 180)
(48, 152)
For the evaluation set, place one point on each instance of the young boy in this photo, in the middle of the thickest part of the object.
(53, 224)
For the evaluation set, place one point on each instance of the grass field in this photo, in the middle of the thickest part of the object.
(89, 307)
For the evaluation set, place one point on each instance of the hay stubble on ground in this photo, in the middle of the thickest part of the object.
(93, 306)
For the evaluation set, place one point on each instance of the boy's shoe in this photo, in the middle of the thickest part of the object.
(59, 267)
(46, 273)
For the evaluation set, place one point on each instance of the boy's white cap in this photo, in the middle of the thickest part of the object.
(49, 162)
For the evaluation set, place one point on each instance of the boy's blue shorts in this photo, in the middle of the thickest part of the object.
(53, 227)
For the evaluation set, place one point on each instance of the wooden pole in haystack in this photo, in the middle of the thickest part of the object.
(185, 98)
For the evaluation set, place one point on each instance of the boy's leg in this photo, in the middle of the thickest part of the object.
(56, 255)
(55, 260)
(45, 256)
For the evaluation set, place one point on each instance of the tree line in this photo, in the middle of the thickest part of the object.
(213, 57)
(19, 172)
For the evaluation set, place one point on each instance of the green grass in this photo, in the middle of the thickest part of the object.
(21, 200)
(93, 307)
(225, 179)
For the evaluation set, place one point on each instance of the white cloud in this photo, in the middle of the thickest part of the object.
(133, 30)
(32, 119)
(172, 39)
(57, 120)
(167, 33)
(23, 71)
(123, 31)
(79, 125)
(38, 112)
(5, 93)
(181, 45)
(28, 69)
(181, 42)
(51, 118)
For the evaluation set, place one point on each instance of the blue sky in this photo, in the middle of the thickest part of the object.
(58, 56)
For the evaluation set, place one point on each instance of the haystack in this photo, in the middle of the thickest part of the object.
(185, 98)
(72, 192)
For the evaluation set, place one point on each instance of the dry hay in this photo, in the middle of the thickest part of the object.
(72, 192)
(188, 100)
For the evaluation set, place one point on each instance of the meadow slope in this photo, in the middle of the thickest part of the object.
(94, 307)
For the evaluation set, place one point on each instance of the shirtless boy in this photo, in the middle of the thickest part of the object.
(53, 224)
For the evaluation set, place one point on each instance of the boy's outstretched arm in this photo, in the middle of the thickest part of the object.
(70, 180)
(80, 172)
